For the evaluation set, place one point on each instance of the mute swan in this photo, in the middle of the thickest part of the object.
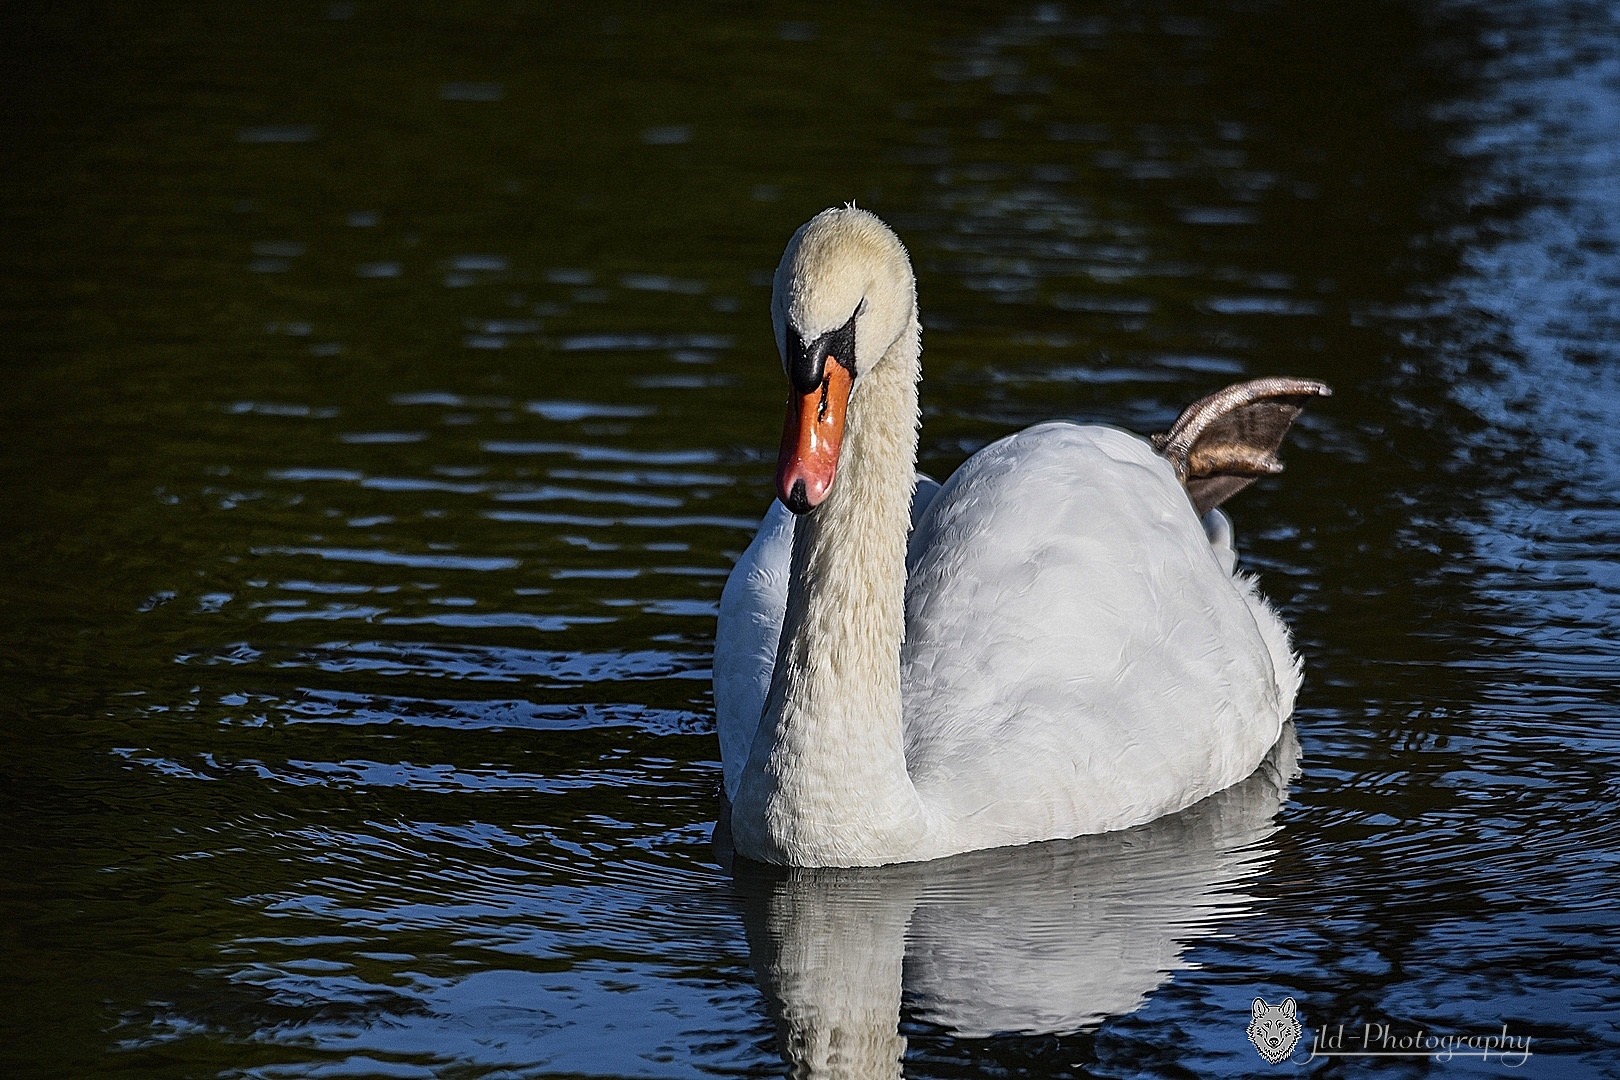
(1049, 644)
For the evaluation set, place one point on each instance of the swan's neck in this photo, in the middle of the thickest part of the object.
(826, 782)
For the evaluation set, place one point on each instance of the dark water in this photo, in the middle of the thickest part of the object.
(388, 389)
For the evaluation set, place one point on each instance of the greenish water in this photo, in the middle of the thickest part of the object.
(388, 389)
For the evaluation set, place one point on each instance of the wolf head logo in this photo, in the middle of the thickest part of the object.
(1274, 1029)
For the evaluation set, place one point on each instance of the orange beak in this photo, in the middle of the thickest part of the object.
(811, 438)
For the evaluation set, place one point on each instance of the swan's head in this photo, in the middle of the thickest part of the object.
(844, 294)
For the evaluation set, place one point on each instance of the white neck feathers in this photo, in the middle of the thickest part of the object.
(826, 781)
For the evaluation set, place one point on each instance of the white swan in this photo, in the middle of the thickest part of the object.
(1049, 644)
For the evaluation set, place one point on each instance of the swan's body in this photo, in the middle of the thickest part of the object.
(1047, 645)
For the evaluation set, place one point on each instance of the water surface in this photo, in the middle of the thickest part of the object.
(391, 388)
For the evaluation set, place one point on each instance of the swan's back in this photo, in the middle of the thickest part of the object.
(1077, 657)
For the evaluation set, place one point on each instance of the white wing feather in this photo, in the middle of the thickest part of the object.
(1076, 652)
(745, 640)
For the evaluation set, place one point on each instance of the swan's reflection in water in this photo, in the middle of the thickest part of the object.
(1049, 938)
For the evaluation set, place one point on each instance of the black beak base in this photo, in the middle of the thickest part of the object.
(807, 360)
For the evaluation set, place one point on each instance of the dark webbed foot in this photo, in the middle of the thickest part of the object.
(1222, 443)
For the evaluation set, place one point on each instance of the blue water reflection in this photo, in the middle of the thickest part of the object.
(391, 390)
(1052, 938)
